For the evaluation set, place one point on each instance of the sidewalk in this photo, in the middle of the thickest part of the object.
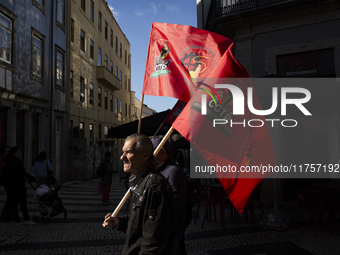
(82, 232)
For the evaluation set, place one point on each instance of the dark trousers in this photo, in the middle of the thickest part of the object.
(16, 199)
(6, 211)
(106, 193)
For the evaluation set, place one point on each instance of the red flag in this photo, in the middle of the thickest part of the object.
(177, 54)
(228, 145)
(175, 112)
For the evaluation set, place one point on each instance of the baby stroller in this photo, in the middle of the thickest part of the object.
(47, 193)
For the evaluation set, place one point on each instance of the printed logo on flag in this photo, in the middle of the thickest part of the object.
(161, 63)
(220, 106)
(198, 60)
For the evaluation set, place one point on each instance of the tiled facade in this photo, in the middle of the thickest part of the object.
(33, 84)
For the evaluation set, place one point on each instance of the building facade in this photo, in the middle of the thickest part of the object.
(100, 72)
(99, 75)
(286, 39)
(33, 84)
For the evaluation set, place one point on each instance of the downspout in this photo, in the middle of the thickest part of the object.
(51, 76)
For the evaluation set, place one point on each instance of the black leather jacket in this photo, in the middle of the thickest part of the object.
(150, 226)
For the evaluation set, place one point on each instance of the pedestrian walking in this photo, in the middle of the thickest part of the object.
(150, 226)
(42, 167)
(15, 177)
(6, 211)
(106, 179)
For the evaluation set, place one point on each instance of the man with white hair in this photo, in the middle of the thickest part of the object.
(150, 225)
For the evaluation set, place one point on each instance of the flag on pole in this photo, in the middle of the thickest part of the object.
(175, 112)
(230, 145)
(176, 55)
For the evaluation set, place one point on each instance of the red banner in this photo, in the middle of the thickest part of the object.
(227, 145)
(178, 54)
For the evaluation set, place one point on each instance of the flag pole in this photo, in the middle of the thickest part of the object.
(158, 130)
(140, 116)
(127, 194)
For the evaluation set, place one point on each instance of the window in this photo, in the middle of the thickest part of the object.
(91, 130)
(92, 11)
(72, 31)
(99, 97)
(111, 103)
(125, 57)
(120, 50)
(82, 4)
(91, 49)
(106, 61)
(99, 57)
(82, 89)
(71, 84)
(111, 66)
(105, 99)
(116, 44)
(126, 113)
(37, 55)
(120, 77)
(91, 94)
(129, 85)
(111, 38)
(129, 61)
(126, 82)
(82, 40)
(60, 66)
(106, 131)
(40, 4)
(116, 105)
(120, 106)
(116, 71)
(6, 39)
(60, 13)
(129, 109)
(105, 30)
(81, 129)
(100, 22)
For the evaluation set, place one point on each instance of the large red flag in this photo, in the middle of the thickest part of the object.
(234, 145)
(176, 55)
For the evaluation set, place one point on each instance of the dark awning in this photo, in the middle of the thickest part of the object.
(149, 126)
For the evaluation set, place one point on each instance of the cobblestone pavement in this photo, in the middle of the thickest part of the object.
(82, 232)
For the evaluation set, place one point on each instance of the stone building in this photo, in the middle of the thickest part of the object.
(99, 95)
(100, 72)
(33, 84)
(286, 39)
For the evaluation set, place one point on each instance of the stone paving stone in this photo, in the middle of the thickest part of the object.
(82, 232)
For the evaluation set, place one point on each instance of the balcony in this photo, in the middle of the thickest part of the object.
(107, 78)
(225, 7)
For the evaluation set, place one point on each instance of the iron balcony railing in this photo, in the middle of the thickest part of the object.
(233, 6)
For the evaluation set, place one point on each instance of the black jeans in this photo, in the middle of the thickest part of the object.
(6, 211)
(16, 199)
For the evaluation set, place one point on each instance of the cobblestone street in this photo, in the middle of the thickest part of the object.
(82, 232)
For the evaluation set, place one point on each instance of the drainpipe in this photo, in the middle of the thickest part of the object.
(51, 76)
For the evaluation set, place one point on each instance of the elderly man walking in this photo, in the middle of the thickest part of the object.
(150, 226)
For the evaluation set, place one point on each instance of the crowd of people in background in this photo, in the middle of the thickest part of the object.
(13, 177)
(158, 193)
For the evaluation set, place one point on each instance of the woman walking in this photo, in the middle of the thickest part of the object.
(106, 180)
(41, 167)
(15, 176)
